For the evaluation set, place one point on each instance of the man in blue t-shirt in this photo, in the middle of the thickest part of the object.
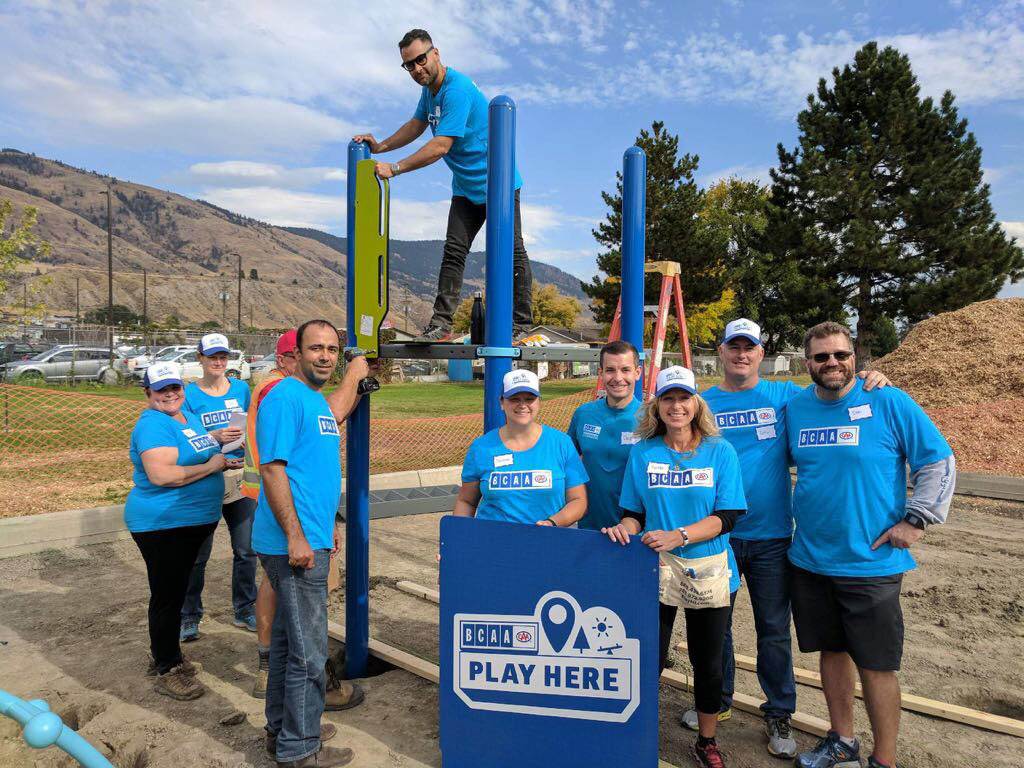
(602, 432)
(854, 528)
(294, 533)
(456, 111)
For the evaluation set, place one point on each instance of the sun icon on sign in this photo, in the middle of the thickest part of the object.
(602, 627)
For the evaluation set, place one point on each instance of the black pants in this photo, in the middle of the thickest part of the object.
(705, 636)
(169, 555)
(464, 221)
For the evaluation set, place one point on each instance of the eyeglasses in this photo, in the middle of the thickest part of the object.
(419, 61)
(822, 357)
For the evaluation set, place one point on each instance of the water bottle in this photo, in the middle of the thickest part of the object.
(476, 319)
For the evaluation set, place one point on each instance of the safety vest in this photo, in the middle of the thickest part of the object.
(251, 469)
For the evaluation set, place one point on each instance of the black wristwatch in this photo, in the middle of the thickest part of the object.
(915, 520)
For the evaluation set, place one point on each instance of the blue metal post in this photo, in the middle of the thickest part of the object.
(357, 466)
(501, 180)
(634, 214)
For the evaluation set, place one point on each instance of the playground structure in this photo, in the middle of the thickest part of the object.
(43, 728)
(367, 231)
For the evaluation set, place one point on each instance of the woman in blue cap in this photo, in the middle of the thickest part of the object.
(523, 472)
(172, 509)
(214, 398)
(683, 490)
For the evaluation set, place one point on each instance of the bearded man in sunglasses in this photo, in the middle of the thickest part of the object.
(854, 528)
(456, 111)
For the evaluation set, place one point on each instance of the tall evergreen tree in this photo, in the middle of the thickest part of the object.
(883, 201)
(673, 229)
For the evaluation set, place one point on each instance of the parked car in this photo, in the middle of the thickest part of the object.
(149, 354)
(20, 350)
(188, 359)
(264, 365)
(66, 362)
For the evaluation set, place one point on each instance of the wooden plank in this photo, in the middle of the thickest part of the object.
(392, 655)
(420, 591)
(910, 702)
(799, 720)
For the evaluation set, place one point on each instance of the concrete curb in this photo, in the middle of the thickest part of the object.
(77, 527)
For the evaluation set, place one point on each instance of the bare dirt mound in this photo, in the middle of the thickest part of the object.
(965, 357)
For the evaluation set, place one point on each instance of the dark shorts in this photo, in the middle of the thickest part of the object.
(858, 615)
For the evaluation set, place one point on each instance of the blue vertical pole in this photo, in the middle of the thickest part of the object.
(634, 214)
(501, 181)
(357, 466)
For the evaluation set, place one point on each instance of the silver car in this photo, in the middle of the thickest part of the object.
(67, 363)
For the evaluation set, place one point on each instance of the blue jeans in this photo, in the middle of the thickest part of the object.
(765, 567)
(297, 681)
(239, 516)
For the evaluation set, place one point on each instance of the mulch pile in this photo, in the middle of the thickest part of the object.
(965, 368)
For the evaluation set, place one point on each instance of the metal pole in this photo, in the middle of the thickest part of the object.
(24, 309)
(145, 308)
(634, 204)
(239, 293)
(357, 449)
(110, 275)
(224, 308)
(501, 175)
(78, 317)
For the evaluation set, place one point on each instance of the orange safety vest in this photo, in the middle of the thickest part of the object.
(251, 469)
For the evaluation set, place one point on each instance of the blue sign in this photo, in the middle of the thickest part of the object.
(549, 648)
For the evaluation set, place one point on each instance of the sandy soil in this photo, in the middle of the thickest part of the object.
(73, 631)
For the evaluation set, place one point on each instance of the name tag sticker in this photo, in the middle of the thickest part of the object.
(766, 433)
(188, 432)
(654, 466)
(231, 403)
(505, 460)
(860, 412)
(628, 438)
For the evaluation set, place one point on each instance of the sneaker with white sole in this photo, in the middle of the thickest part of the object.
(435, 333)
(830, 752)
(246, 622)
(689, 718)
(189, 631)
(781, 743)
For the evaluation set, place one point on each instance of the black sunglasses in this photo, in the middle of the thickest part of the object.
(419, 61)
(822, 357)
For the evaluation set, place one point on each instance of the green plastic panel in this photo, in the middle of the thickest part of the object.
(373, 208)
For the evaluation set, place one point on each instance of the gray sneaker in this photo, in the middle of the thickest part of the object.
(780, 737)
(435, 333)
(830, 752)
(689, 718)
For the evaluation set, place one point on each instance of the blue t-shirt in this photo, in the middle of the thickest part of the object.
(153, 508)
(522, 486)
(294, 424)
(674, 489)
(753, 421)
(215, 410)
(459, 110)
(851, 457)
(603, 436)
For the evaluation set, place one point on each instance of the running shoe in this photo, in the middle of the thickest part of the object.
(189, 631)
(872, 763)
(830, 753)
(689, 718)
(708, 756)
(246, 622)
(435, 333)
(780, 737)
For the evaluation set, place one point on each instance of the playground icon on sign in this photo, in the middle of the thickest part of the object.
(558, 661)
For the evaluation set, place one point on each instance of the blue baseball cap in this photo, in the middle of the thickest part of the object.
(161, 375)
(521, 380)
(742, 329)
(675, 377)
(213, 342)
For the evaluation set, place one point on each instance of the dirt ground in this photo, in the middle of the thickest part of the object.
(73, 631)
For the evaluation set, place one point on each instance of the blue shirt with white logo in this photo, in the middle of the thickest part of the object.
(215, 410)
(851, 457)
(522, 486)
(603, 436)
(677, 489)
(753, 421)
(151, 507)
(459, 110)
(294, 424)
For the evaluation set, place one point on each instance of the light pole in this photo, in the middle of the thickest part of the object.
(224, 296)
(239, 293)
(110, 276)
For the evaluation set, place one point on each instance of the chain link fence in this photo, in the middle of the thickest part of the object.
(68, 450)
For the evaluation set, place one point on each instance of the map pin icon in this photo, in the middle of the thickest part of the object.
(558, 618)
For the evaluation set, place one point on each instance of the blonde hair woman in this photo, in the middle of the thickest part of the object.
(683, 490)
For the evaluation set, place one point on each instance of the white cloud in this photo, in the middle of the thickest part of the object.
(1014, 229)
(283, 207)
(758, 173)
(248, 173)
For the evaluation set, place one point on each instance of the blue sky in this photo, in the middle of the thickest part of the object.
(250, 103)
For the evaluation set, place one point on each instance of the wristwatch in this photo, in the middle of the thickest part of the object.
(396, 169)
(686, 536)
(915, 520)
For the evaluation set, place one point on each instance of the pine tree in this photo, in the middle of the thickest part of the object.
(883, 202)
(673, 230)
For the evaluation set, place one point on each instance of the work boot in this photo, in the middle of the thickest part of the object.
(345, 696)
(259, 686)
(179, 685)
(780, 737)
(187, 667)
(327, 732)
(327, 757)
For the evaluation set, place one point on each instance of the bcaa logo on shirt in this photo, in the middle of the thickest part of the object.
(682, 478)
(202, 443)
(593, 431)
(215, 419)
(826, 437)
(520, 480)
(752, 417)
(328, 426)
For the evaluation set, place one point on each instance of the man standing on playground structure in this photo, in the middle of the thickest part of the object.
(456, 111)
(854, 527)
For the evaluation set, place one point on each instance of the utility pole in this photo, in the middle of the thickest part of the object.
(24, 310)
(239, 293)
(405, 300)
(110, 274)
(224, 296)
(145, 314)
(78, 305)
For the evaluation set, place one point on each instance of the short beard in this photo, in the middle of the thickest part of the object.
(833, 386)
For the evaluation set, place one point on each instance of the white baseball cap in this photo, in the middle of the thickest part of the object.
(160, 375)
(675, 377)
(213, 342)
(521, 380)
(742, 328)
